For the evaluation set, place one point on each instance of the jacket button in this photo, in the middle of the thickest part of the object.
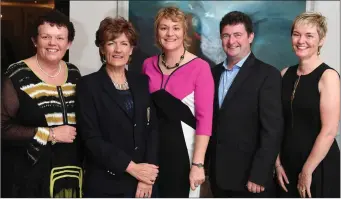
(136, 148)
(134, 125)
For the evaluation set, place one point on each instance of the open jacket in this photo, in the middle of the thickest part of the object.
(111, 137)
(248, 128)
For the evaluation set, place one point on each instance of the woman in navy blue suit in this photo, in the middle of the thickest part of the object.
(116, 120)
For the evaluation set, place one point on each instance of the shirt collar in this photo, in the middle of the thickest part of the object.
(239, 64)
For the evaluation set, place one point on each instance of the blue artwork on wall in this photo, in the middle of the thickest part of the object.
(272, 23)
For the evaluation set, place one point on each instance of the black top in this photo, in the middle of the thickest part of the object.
(302, 126)
(29, 107)
(127, 101)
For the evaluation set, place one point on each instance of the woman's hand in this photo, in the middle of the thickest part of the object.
(63, 134)
(144, 172)
(282, 177)
(304, 182)
(196, 177)
(143, 190)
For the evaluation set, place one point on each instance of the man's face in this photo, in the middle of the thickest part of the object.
(236, 41)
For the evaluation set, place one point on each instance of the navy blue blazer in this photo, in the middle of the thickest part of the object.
(111, 137)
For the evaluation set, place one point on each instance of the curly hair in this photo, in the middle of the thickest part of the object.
(54, 17)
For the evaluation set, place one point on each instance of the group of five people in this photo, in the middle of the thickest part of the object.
(151, 134)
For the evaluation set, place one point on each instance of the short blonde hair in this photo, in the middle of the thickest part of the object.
(176, 15)
(312, 18)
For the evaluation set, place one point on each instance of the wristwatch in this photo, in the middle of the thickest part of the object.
(199, 165)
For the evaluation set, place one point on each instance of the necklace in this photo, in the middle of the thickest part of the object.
(124, 86)
(51, 76)
(176, 65)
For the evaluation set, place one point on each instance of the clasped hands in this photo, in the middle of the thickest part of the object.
(146, 175)
(63, 134)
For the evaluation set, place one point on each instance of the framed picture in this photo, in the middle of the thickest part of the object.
(272, 22)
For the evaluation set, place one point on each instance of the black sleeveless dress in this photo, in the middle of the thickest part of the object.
(302, 126)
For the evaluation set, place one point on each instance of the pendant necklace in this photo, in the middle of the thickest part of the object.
(176, 65)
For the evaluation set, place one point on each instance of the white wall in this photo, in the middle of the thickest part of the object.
(86, 17)
(330, 52)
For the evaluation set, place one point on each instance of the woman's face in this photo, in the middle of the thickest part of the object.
(52, 42)
(305, 40)
(117, 51)
(170, 34)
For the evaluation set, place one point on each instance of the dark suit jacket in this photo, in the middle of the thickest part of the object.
(111, 137)
(247, 129)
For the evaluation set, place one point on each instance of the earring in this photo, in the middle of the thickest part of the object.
(318, 50)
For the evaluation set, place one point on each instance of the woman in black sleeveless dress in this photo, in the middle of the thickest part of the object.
(309, 157)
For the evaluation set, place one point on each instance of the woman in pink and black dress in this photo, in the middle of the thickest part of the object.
(182, 89)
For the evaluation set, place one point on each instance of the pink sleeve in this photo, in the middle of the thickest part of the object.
(203, 100)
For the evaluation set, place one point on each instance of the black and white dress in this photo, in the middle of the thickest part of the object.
(184, 104)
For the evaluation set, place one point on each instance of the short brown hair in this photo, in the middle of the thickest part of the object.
(176, 15)
(111, 28)
(54, 17)
(312, 18)
(237, 17)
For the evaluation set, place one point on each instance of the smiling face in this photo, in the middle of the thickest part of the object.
(52, 42)
(305, 40)
(170, 34)
(236, 41)
(117, 51)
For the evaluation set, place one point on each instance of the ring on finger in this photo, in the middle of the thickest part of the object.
(145, 195)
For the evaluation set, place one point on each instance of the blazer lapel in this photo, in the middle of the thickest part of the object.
(244, 72)
(110, 89)
(216, 75)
